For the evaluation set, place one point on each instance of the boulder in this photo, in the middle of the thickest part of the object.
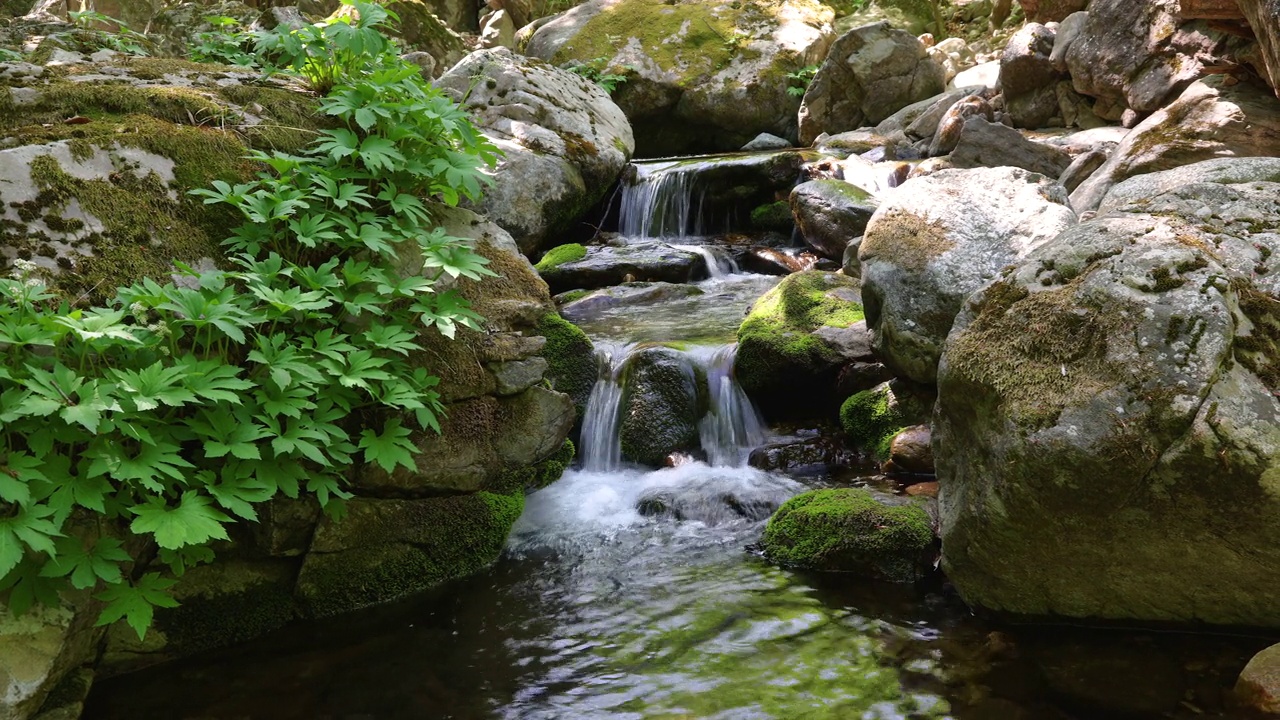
(919, 121)
(1081, 168)
(1139, 55)
(604, 265)
(1264, 18)
(872, 418)
(783, 261)
(803, 456)
(937, 239)
(1107, 430)
(982, 75)
(702, 75)
(910, 452)
(949, 130)
(1069, 31)
(1212, 118)
(1050, 11)
(870, 73)
(572, 366)
(498, 30)
(564, 142)
(1028, 78)
(853, 142)
(987, 144)
(796, 338)
(851, 530)
(1258, 687)
(1223, 171)
(830, 214)
(659, 406)
(767, 141)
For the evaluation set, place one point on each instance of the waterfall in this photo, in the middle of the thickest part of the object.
(730, 428)
(719, 263)
(663, 200)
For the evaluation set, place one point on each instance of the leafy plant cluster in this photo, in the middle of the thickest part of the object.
(596, 70)
(88, 36)
(798, 81)
(229, 43)
(155, 422)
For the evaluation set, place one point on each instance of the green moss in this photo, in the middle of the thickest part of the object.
(776, 344)
(559, 255)
(1259, 351)
(565, 298)
(872, 418)
(572, 367)
(536, 476)
(907, 240)
(848, 530)
(226, 612)
(773, 216)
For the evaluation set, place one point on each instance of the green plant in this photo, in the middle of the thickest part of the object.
(122, 39)
(798, 81)
(7, 55)
(162, 418)
(596, 70)
(229, 43)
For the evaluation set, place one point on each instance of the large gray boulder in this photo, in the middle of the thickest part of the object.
(987, 144)
(937, 239)
(1264, 18)
(1108, 427)
(564, 142)
(830, 214)
(605, 265)
(871, 72)
(1028, 78)
(1223, 171)
(1139, 55)
(1211, 118)
(702, 75)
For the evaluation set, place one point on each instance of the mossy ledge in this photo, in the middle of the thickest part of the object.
(849, 530)
(572, 367)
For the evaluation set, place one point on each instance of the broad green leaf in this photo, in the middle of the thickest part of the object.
(193, 522)
(136, 602)
(389, 448)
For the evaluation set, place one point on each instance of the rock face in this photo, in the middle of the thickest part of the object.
(850, 530)
(1107, 427)
(37, 649)
(830, 214)
(701, 74)
(660, 406)
(870, 73)
(795, 340)
(564, 141)
(1264, 18)
(1028, 77)
(1138, 55)
(1210, 119)
(937, 239)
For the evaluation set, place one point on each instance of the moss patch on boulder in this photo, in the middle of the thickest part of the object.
(872, 418)
(572, 367)
(560, 255)
(849, 530)
(773, 216)
(537, 476)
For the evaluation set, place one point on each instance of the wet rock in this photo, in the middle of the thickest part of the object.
(993, 145)
(572, 366)
(911, 452)
(831, 213)
(1081, 168)
(1210, 119)
(1264, 18)
(795, 340)
(784, 261)
(767, 141)
(564, 141)
(803, 456)
(1129, 422)
(659, 406)
(704, 75)
(925, 489)
(870, 73)
(1258, 687)
(851, 530)
(632, 294)
(952, 125)
(1028, 77)
(1139, 55)
(937, 239)
(1112, 677)
(613, 265)
(853, 142)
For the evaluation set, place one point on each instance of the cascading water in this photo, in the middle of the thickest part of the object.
(601, 451)
(661, 201)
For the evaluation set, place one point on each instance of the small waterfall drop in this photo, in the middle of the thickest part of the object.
(728, 431)
(719, 263)
(661, 202)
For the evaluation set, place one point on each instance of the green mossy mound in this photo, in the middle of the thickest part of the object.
(559, 255)
(872, 418)
(538, 476)
(782, 358)
(848, 530)
(773, 216)
(572, 367)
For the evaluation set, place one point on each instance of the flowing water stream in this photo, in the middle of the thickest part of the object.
(629, 593)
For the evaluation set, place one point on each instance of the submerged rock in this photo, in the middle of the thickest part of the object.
(564, 141)
(937, 239)
(660, 408)
(795, 340)
(702, 75)
(1108, 425)
(851, 530)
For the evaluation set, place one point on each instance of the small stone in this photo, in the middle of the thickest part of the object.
(911, 451)
(924, 489)
(1258, 687)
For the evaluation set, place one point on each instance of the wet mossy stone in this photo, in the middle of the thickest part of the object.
(560, 255)
(572, 367)
(871, 418)
(537, 476)
(773, 216)
(850, 530)
(790, 347)
(660, 406)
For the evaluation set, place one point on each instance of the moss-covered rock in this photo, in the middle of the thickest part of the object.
(387, 549)
(701, 75)
(850, 530)
(775, 216)
(871, 418)
(560, 255)
(659, 406)
(536, 476)
(572, 366)
(796, 338)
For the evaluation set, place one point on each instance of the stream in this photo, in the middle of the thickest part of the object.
(628, 594)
